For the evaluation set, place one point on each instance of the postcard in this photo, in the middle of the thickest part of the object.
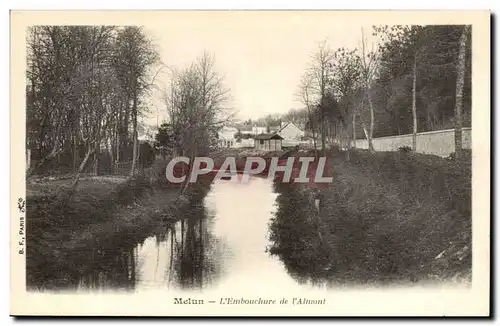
(250, 163)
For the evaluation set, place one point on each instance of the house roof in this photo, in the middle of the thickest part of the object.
(268, 136)
(229, 129)
(283, 127)
(286, 125)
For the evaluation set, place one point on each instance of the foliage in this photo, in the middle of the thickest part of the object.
(85, 88)
(376, 85)
(435, 48)
(404, 149)
(386, 218)
(197, 105)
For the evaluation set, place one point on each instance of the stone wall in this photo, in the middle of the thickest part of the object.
(441, 142)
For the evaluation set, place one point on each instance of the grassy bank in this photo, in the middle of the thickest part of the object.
(386, 217)
(104, 214)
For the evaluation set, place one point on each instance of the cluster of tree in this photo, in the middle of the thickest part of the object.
(416, 78)
(298, 117)
(85, 90)
(268, 121)
(239, 136)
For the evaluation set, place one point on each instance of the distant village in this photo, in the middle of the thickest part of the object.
(270, 138)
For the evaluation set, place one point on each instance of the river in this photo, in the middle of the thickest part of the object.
(222, 243)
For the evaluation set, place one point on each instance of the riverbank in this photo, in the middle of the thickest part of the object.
(387, 217)
(104, 212)
(241, 154)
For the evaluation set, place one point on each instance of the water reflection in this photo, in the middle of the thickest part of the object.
(221, 240)
(111, 270)
(185, 256)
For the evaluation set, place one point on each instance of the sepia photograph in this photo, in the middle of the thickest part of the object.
(286, 163)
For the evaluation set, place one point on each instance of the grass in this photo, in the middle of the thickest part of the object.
(388, 217)
(385, 218)
(105, 212)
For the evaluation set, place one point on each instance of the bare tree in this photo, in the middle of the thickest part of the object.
(305, 90)
(369, 64)
(197, 107)
(86, 87)
(405, 45)
(346, 79)
(139, 57)
(320, 71)
(459, 91)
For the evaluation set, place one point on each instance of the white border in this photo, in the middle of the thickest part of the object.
(214, 4)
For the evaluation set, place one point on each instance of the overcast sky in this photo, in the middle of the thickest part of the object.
(261, 54)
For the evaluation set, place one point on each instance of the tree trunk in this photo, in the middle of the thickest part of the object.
(372, 120)
(76, 178)
(134, 131)
(126, 122)
(338, 134)
(53, 153)
(323, 135)
(347, 135)
(134, 151)
(56, 149)
(354, 130)
(315, 136)
(75, 157)
(367, 135)
(315, 142)
(28, 159)
(414, 105)
(459, 91)
(109, 148)
(97, 150)
(313, 128)
(372, 124)
(117, 142)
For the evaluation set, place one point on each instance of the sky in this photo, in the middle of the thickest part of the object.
(262, 55)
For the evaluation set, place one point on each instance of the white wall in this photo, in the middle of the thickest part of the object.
(226, 136)
(441, 142)
(244, 143)
(291, 132)
(277, 144)
(293, 143)
(268, 145)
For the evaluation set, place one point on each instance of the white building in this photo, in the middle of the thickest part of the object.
(268, 142)
(256, 130)
(226, 136)
(290, 131)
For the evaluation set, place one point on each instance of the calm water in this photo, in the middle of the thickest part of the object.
(220, 243)
(223, 242)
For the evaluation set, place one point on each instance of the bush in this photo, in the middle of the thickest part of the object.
(386, 217)
(404, 149)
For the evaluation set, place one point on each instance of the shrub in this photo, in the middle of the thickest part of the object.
(404, 149)
(385, 218)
